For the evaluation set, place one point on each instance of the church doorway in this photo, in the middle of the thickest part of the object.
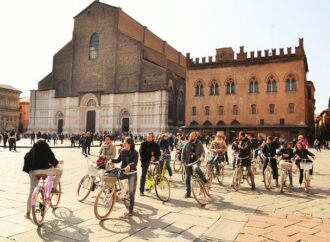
(60, 126)
(125, 125)
(90, 121)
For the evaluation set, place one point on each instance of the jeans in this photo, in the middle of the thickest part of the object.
(54, 171)
(273, 164)
(216, 159)
(189, 172)
(301, 175)
(290, 176)
(12, 144)
(132, 181)
(144, 166)
(167, 157)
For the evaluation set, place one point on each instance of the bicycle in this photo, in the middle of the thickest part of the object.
(306, 165)
(211, 172)
(198, 187)
(285, 166)
(268, 173)
(256, 163)
(113, 189)
(157, 180)
(240, 174)
(91, 181)
(42, 198)
(177, 163)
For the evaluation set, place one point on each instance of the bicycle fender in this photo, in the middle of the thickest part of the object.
(34, 196)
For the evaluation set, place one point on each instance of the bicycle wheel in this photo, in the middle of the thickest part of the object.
(84, 187)
(56, 197)
(221, 175)
(268, 178)
(183, 175)
(198, 191)
(163, 189)
(209, 173)
(177, 165)
(104, 202)
(156, 170)
(307, 180)
(237, 178)
(283, 179)
(39, 209)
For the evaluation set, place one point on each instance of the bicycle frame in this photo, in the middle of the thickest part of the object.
(47, 188)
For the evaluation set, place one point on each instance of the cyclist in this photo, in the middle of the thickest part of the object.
(192, 151)
(302, 152)
(129, 158)
(41, 160)
(218, 149)
(287, 155)
(149, 151)
(166, 146)
(107, 152)
(244, 152)
(234, 147)
(269, 153)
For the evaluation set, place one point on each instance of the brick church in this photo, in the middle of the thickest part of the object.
(113, 75)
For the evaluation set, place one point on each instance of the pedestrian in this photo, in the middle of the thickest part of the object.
(5, 139)
(12, 140)
(149, 152)
(33, 137)
(54, 138)
(88, 143)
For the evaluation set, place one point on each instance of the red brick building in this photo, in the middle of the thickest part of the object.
(261, 93)
(24, 107)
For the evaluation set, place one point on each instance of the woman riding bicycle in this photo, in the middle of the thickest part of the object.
(302, 153)
(129, 158)
(107, 152)
(41, 160)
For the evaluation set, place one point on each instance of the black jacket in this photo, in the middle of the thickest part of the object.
(302, 154)
(39, 157)
(145, 151)
(269, 150)
(288, 152)
(127, 157)
(244, 148)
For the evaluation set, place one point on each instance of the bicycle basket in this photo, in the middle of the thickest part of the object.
(110, 178)
(306, 165)
(285, 165)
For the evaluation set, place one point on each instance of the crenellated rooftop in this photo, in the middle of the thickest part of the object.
(226, 56)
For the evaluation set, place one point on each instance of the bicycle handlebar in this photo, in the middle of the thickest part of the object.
(191, 164)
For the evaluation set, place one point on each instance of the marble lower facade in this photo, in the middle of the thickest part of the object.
(135, 112)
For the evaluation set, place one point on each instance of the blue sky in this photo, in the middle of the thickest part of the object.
(33, 31)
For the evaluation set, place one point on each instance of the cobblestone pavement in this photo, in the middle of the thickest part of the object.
(260, 215)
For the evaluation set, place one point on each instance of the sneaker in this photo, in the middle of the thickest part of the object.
(253, 187)
(54, 190)
(27, 215)
(300, 187)
(130, 213)
(187, 195)
(141, 194)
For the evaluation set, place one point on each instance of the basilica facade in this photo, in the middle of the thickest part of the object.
(114, 75)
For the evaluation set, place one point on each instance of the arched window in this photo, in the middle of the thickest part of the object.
(180, 107)
(207, 123)
(91, 103)
(290, 84)
(271, 108)
(199, 89)
(253, 109)
(230, 87)
(170, 104)
(254, 85)
(221, 123)
(193, 123)
(271, 84)
(214, 88)
(235, 110)
(291, 107)
(94, 44)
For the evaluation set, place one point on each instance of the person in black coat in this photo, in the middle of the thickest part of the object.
(302, 152)
(149, 151)
(269, 154)
(41, 160)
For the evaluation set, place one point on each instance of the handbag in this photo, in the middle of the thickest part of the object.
(101, 162)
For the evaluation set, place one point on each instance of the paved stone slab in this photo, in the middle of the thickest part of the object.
(225, 229)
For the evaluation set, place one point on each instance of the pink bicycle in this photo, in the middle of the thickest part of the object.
(42, 198)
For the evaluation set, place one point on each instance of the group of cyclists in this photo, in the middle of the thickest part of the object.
(41, 160)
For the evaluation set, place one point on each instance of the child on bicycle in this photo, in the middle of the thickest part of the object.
(41, 160)
(301, 153)
(287, 155)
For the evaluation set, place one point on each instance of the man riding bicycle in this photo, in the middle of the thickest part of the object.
(218, 149)
(41, 160)
(244, 151)
(287, 155)
(269, 155)
(192, 151)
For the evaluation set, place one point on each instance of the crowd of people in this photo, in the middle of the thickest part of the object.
(189, 149)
